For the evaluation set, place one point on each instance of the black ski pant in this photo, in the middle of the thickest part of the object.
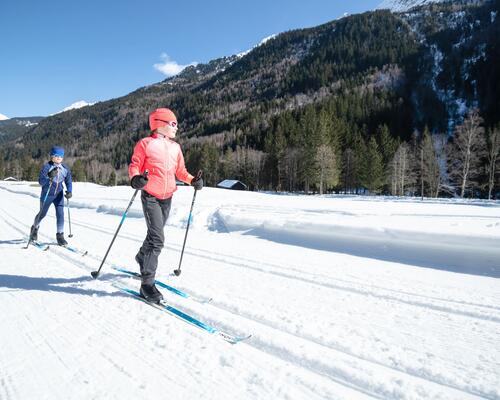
(156, 213)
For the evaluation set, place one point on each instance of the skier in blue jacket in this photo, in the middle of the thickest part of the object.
(52, 176)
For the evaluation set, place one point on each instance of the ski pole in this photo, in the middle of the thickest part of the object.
(37, 218)
(177, 271)
(95, 274)
(69, 219)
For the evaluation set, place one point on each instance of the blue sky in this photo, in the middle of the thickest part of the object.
(54, 52)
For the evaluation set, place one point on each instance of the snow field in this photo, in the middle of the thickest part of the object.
(324, 324)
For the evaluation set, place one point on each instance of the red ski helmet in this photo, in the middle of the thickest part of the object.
(160, 117)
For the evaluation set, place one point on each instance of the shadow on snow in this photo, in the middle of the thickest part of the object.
(20, 282)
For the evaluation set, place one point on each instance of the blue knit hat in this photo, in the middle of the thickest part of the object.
(57, 151)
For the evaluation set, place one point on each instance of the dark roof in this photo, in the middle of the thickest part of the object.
(232, 184)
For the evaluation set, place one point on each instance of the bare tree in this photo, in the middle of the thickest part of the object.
(255, 161)
(402, 173)
(93, 170)
(464, 152)
(327, 163)
(493, 150)
(105, 172)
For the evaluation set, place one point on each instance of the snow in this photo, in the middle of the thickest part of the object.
(263, 41)
(3, 117)
(404, 5)
(75, 106)
(345, 297)
(27, 123)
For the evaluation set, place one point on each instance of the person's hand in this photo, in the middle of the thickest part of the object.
(138, 181)
(52, 173)
(197, 183)
(68, 195)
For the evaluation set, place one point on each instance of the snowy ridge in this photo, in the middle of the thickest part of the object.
(324, 324)
(75, 106)
(263, 41)
(404, 5)
(3, 117)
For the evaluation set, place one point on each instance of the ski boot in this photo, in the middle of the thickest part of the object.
(151, 293)
(33, 234)
(60, 239)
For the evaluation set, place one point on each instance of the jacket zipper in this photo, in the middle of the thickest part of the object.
(57, 181)
(166, 167)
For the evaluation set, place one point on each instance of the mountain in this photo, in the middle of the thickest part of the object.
(404, 5)
(14, 128)
(379, 75)
(75, 106)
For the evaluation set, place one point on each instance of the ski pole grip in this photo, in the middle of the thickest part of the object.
(198, 175)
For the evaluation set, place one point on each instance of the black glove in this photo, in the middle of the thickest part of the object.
(197, 183)
(52, 173)
(138, 181)
(68, 195)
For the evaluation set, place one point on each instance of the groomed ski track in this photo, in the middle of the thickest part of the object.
(316, 333)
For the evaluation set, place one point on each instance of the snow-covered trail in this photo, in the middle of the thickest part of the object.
(324, 325)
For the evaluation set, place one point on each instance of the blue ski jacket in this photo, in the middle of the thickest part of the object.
(55, 187)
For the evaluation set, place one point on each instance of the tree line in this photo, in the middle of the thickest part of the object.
(316, 152)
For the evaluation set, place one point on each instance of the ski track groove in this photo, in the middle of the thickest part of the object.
(7, 390)
(70, 257)
(315, 366)
(111, 329)
(288, 268)
(359, 291)
(334, 286)
(418, 303)
(297, 363)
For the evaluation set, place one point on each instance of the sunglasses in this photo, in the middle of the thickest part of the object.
(173, 124)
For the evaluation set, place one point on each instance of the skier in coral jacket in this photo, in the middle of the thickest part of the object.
(162, 157)
(52, 176)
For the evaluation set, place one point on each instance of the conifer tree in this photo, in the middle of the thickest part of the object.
(78, 171)
(311, 138)
(372, 173)
(209, 160)
(228, 164)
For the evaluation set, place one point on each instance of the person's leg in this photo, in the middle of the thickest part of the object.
(59, 205)
(43, 211)
(165, 210)
(153, 244)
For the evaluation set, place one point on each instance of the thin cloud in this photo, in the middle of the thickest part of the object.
(169, 67)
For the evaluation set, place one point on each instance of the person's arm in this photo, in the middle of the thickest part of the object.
(135, 170)
(181, 172)
(68, 182)
(138, 157)
(43, 178)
